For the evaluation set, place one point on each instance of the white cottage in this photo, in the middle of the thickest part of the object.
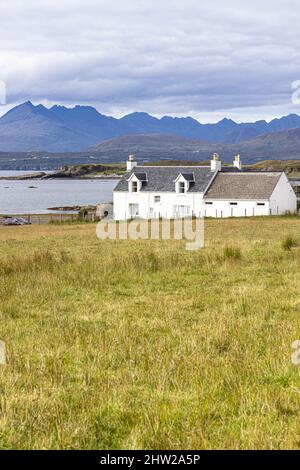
(210, 191)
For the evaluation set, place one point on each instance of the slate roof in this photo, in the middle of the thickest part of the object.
(161, 178)
(243, 185)
(189, 176)
(141, 176)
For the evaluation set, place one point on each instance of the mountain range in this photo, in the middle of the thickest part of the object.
(27, 128)
(281, 145)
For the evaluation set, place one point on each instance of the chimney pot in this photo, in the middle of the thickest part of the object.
(131, 162)
(216, 163)
(237, 163)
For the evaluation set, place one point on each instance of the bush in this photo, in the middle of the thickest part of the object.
(231, 252)
(288, 243)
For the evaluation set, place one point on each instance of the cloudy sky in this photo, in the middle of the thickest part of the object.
(178, 57)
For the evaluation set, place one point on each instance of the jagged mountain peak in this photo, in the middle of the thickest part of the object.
(227, 121)
(60, 128)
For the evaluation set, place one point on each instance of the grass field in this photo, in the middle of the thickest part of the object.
(123, 344)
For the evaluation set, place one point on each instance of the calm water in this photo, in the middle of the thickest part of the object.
(17, 197)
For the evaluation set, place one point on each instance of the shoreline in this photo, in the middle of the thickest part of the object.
(58, 177)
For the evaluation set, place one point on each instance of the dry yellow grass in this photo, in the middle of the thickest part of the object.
(145, 345)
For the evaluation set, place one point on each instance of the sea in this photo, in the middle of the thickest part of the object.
(38, 196)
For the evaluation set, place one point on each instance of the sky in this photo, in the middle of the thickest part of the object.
(208, 60)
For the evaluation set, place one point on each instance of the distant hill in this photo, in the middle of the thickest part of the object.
(291, 167)
(276, 146)
(283, 145)
(28, 128)
(154, 147)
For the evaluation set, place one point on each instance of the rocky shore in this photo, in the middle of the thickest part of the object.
(84, 171)
(32, 176)
(72, 208)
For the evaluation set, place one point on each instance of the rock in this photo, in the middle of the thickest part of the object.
(104, 209)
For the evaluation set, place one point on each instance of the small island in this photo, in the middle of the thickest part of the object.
(82, 171)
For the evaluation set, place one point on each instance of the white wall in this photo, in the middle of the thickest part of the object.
(165, 208)
(223, 208)
(198, 207)
(283, 199)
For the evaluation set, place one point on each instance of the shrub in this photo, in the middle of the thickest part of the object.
(288, 243)
(231, 252)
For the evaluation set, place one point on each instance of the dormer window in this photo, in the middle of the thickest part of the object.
(136, 181)
(181, 187)
(184, 182)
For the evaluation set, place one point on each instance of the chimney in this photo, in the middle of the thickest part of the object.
(216, 164)
(131, 162)
(237, 162)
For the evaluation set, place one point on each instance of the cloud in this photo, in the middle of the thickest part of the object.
(172, 57)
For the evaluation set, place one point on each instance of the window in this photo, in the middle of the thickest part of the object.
(134, 186)
(181, 211)
(133, 210)
(156, 199)
(181, 187)
(260, 203)
(233, 203)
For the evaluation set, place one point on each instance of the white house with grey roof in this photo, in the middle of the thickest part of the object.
(209, 191)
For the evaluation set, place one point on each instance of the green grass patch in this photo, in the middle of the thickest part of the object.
(144, 345)
(288, 243)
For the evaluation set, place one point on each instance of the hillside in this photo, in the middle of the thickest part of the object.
(41, 161)
(27, 128)
(279, 145)
(151, 147)
(113, 170)
(291, 167)
(144, 345)
(91, 169)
